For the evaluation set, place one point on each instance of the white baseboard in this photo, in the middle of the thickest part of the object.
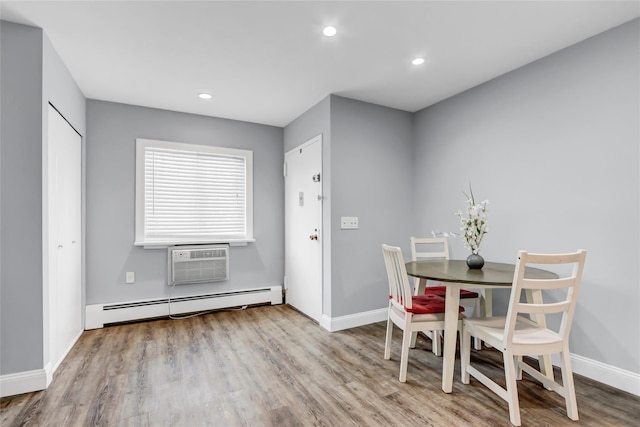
(333, 324)
(51, 368)
(24, 382)
(610, 375)
(36, 380)
(98, 315)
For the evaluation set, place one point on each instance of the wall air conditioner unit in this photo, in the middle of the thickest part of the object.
(198, 264)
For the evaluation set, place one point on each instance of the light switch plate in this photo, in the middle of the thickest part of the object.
(349, 223)
(130, 277)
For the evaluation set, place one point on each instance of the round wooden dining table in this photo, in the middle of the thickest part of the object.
(455, 274)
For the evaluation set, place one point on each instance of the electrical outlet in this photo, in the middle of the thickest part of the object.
(349, 223)
(130, 277)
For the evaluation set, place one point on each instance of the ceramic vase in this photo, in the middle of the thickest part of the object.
(475, 261)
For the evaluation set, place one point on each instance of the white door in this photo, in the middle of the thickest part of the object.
(65, 251)
(303, 228)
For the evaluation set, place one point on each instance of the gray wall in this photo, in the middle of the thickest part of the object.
(554, 146)
(21, 209)
(371, 148)
(112, 130)
(315, 121)
(32, 75)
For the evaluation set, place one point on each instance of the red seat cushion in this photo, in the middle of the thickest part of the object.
(428, 304)
(441, 291)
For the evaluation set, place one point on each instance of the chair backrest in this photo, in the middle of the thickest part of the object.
(564, 288)
(429, 248)
(399, 288)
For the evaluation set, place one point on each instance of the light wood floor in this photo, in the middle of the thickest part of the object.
(272, 366)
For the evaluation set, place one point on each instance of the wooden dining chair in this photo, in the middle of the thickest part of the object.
(438, 248)
(517, 336)
(409, 312)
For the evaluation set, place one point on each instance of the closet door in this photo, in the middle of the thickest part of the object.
(65, 228)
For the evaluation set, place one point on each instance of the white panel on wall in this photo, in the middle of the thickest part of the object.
(64, 226)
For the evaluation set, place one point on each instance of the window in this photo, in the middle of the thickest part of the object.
(189, 193)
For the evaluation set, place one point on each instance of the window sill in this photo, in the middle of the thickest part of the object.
(165, 245)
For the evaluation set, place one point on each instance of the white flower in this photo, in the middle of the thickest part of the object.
(475, 226)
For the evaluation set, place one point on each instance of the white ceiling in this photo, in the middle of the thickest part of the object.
(268, 62)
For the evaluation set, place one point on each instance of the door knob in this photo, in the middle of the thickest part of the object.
(314, 237)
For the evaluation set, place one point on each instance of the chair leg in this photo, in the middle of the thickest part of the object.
(436, 343)
(414, 336)
(387, 340)
(488, 302)
(546, 367)
(465, 354)
(512, 388)
(477, 343)
(477, 312)
(487, 305)
(567, 383)
(404, 357)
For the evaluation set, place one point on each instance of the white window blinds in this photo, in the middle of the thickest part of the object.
(192, 193)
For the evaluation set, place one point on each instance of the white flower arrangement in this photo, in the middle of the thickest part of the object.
(475, 226)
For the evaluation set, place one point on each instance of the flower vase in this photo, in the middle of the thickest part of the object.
(475, 261)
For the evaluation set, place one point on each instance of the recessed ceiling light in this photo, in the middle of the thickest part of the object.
(204, 95)
(418, 61)
(329, 31)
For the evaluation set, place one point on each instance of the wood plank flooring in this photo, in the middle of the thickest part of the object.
(272, 366)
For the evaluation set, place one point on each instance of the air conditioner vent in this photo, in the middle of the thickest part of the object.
(198, 264)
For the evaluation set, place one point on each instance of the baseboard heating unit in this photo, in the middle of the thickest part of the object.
(98, 315)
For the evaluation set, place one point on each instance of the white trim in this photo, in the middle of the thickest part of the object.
(353, 320)
(317, 138)
(607, 374)
(24, 382)
(165, 245)
(49, 371)
(63, 356)
(97, 315)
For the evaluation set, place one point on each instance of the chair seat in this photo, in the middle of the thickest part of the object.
(525, 332)
(441, 291)
(428, 304)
